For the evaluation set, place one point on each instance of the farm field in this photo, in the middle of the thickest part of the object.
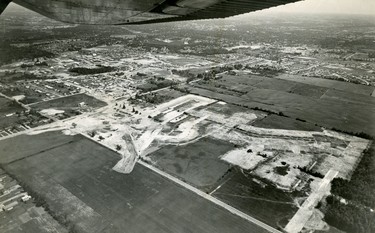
(69, 102)
(273, 121)
(225, 109)
(196, 163)
(17, 148)
(258, 199)
(308, 90)
(246, 83)
(333, 84)
(352, 98)
(77, 182)
(334, 111)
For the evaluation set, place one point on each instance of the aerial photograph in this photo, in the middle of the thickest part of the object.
(187, 116)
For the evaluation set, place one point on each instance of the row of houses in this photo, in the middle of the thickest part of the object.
(11, 193)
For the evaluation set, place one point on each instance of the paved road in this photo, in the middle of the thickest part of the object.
(299, 220)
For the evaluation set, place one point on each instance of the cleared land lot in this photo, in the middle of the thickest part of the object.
(332, 110)
(77, 181)
(69, 102)
(197, 163)
(267, 204)
(230, 109)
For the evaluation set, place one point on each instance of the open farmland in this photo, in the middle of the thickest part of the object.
(17, 148)
(78, 184)
(343, 96)
(226, 109)
(196, 163)
(308, 90)
(256, 198)
(332, 110)
(273, 121)
(69, 102)
(331, 84)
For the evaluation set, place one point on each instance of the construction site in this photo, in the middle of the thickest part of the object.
(204, 142)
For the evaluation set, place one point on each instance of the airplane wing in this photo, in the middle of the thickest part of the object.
(142, 11)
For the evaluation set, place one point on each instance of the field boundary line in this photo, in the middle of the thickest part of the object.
(199, 192)
(60, 97)
(211, 198)
(42, 151)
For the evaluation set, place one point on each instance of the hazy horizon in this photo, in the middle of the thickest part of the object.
(365, 7)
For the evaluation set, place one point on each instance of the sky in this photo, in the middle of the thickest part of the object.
(315, 6)
(330, 6)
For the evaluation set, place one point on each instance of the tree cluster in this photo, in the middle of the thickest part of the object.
(96, 70)
(360, 134)
(312, 173)
(348, 217)
(359, 192)
(362, 179)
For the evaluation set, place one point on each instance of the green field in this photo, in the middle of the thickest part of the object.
(229, 109)
(267, 204)
(69, 102)
(347, 111)
(278, 122)
(352, 98)
(17, 148)
(197, 163)
(332, 84)
(308, 90)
